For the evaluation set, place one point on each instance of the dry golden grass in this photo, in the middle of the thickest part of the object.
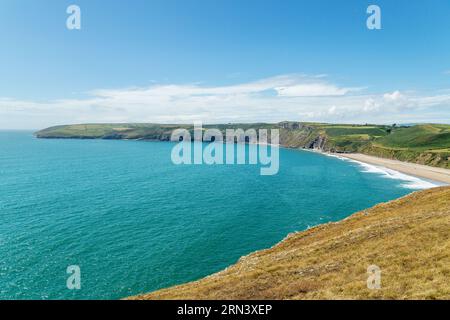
(407, 238)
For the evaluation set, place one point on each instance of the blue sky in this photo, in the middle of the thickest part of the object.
(180, 61)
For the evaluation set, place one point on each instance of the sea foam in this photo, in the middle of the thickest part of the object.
(409, 182)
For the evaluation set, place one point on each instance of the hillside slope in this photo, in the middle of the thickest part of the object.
(423, 144)
(408, 239)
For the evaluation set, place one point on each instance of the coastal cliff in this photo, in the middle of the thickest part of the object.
(427, 144)
(408, 239)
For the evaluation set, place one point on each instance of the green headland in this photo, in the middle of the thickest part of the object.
(427, 144)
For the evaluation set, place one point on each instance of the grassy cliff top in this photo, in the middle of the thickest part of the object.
(407, 238)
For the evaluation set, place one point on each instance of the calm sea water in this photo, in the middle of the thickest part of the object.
(134, 222)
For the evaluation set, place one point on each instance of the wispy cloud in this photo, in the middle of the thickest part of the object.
(286, 97)
(285, 85)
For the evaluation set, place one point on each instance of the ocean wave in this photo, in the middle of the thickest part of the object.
(409, 182)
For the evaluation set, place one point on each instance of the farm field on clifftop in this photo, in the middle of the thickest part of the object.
(421, 137)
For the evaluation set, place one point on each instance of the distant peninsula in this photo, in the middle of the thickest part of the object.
(426, 144)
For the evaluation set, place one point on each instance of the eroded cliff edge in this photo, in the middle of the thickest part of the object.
(408, 239)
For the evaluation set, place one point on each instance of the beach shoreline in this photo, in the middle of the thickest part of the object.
(418, 170)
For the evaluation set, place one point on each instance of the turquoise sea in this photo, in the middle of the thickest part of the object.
(134, 222)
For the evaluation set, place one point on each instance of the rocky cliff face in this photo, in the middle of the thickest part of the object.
(291, 125)
(318, 143)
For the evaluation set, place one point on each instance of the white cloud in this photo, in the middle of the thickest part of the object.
(311, 90)
(286, 85)
(287, 97)
(394, 96)
(332, 110)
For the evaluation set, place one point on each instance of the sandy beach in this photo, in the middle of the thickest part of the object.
(418, 170)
